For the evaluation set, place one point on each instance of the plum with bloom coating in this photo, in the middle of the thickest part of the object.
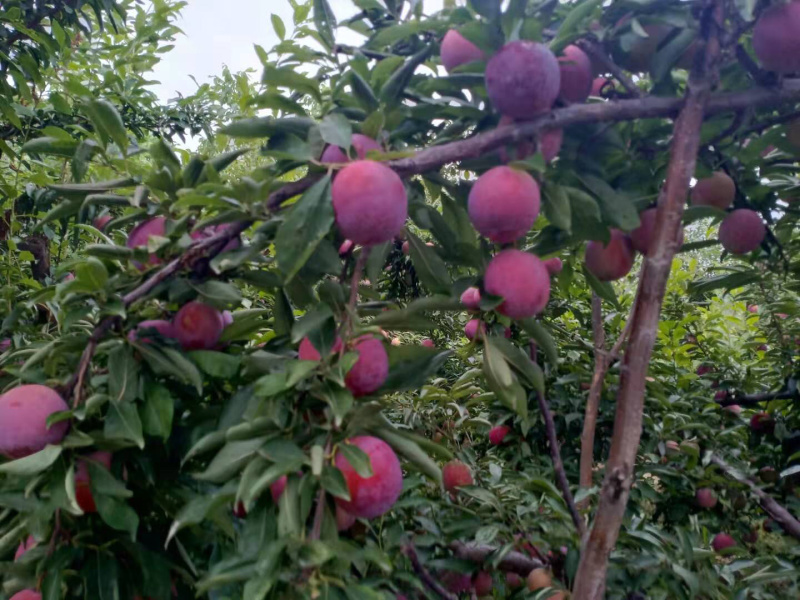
(198, 326)
(742, 231)
(456, 474)
(370, 202)
(522, 280)
(523, 79)
(456, 50)
(503, 204)
(371, 368)
(776, 38)
(372, 496)
(361, 144)
(612, 261)
(24, 411)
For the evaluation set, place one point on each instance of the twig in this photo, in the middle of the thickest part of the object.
(590, 579)
(772, 507)
(427, 579)
(352, 51)
(319, 514)
(558, 464)
(515, 562)
(756, 399)
(649, 107)
(595, 51)
(759, 76)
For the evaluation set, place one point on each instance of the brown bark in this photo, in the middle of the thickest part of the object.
(515, 562)
(593, 401)
(590, 579)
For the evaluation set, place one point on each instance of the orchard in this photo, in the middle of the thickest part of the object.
(454, 299)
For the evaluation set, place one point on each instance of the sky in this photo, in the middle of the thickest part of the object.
(217, 34)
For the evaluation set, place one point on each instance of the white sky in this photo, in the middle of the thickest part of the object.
(217, 34)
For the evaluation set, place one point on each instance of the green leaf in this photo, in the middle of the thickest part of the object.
(219, 293)
(366, 96)
(92, 274)
(580, 12)
(728, 281)
(216, 364)
(123, 375)
(50, 145)
(310, 220)
(117, 514)
(411, 451)
(157, 411)
(334, 483)
(520, 362)
(325, 21)
(101, 574)
(501, 380)
(557, 207)
(260, 127)
(336, 130)
(289, 77)
(33, 464)
(545, 341)
(278, 26)
(431, 269)
(393, 89)
(604, 289)
(230, 460)
(616, 209)
(357, 458)
(123, 423)
(410, 367)
(105, 118)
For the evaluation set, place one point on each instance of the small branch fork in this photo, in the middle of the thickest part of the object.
(595, 51)
(776, 511)
(425, 576)
(514, 562)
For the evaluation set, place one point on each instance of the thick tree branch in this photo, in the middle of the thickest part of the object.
(426, 578)
(772, 507)
(558, 465)
(515, 562)
(596, 51)
(756, 399)
(650, 107)
(590, 579)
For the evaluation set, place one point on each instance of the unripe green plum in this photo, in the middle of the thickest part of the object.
(456, 474)
(776, 38)
(371, 369)
(198, 326)
(370, 202)
(522, 280)
(642, 236)
(361, 144)
(24, 411)
(742, 231)
(503, 204)
(83, 480)
(523, 79)
(373, 496)
(456, 50)
(576, 75)
(719, 190)
(611, 261)
(139, 236)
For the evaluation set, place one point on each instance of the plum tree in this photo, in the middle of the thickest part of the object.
(706, 498)
(642, 236)
(164, 328)
(370, 202)
(498, 433)
(722, 541)
(307, 351)
(612, 261)
(471, 299)
(141, 234)
(539, 579)
(775, 39)
(83, 479)
(361, 144)
(718, 190)
(371, 368)
(24, 411)
(576, 75)
(371, 496)
(522, 280)
(523, 79)
(742, 231)
(456, 474)
(503, 204)
(198, 326)
(456, 50)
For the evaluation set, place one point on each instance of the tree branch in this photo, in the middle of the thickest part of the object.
(649, 107)
(595, 51)
(425, 576)
(590, 579)
(558, 465)
(772, 507)
(593, 401)
(515, 562)
(756, 399)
